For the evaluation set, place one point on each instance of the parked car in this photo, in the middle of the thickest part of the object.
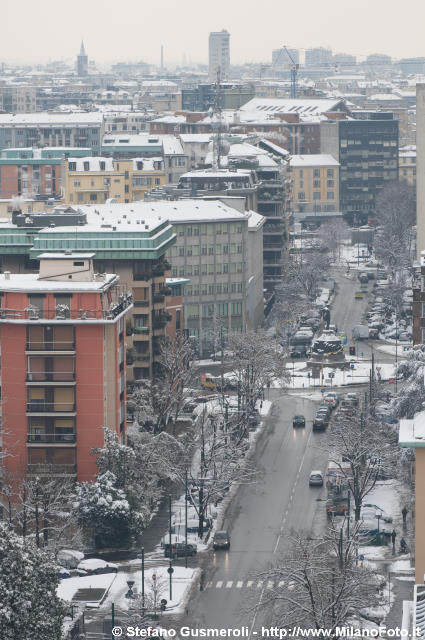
(316, 479)
(69, 558)
(62, 573)
(373, 333)
(95, 566)
(298, 352)
(298, 421)
(360, 332)
(353, 398)
(221, 540)
(179, 550)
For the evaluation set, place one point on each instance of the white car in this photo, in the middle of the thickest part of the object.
(69, 558)
(95, 566)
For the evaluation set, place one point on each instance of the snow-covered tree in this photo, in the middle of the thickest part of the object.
(304, 273)
(104, 512)
(332, 235)
(411, 397)
(361, 449)
(29, 606)
(313, 589)
(395, 213)
(257, 360)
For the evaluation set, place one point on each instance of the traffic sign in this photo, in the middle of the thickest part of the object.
(332, 374)
(322, 391)
(170, 570)
(352, 365)
(361, 557)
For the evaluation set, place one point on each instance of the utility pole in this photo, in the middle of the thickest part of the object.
(186, 498)
(170, 568)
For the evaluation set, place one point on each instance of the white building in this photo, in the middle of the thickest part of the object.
(219, 54)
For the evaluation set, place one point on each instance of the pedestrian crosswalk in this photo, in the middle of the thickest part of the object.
(248, 584)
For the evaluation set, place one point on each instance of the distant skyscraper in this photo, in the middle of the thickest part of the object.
(318, 57)
(219, 54)
(82, 63)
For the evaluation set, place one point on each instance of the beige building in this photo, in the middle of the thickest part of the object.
(96, 180)
(412, 434)
(315, 182)
(407, 165)
(420, 169)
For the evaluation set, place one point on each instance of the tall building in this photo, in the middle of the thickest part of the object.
(219, 54)
(318, 57)
(315, 183)
(82, 63)
(367, 151)
(420, 168)
(62, 334)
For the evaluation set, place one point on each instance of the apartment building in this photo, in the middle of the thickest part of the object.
(315, 183)
(95, 180)
(142, 145)
(219, 54)
(133, 245)
(407, 165)
(367, 151)
(18, 98)
(219, 250)
(62, 334)
(51, 130)
(34, 173)
(159, 95)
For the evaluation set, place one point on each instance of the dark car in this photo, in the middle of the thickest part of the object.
(298, 421)
(319, 424)
(321, 415)
(180, 550)
(298, 352)
(221, 540)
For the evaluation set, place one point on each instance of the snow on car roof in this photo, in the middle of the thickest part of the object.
(93, 563)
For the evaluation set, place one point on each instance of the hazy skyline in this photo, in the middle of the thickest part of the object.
(135, 29)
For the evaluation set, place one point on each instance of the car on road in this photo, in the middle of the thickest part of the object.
(319, 424)
(358, 295)
(221, 540)
(321, 415)
(353, 398)
(95, 567)
(298, 421)
(373, 333)
(332, 399)
(179, 550)
(315, 479)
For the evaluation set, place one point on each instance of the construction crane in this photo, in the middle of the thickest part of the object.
(294, 66)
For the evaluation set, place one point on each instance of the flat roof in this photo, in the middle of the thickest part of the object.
(313, 160)
(412, 432)
(30, 282)
(65, 256)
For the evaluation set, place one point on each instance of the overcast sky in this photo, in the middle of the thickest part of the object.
(135, 29)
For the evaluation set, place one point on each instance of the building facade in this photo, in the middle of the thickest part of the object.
(95, 180)
(315, 183)
(407, 165)
(51, 130)
(367, 151)
(219, 54)
(62, 343)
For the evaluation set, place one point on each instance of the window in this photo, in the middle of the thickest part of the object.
(222, 309)
(102, 165)
(189, 270)
(126, 188)
(316, 173)
(76, 183)
(181, 251)
(301, 195)
(204, 250)
(330, 173)
(86, 166)
(316, 184)
(72, 166)
(236, 308)
(211, 250)
(316, 195)
(330, 183)
(225, 268)
(211, 289)
(330, 195)
(225, 248)
(301, 173)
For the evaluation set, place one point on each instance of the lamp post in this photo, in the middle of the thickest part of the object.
(170, 568)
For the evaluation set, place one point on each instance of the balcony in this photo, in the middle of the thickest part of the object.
(41, 406)
(142, 357)
(158, 297)
(141, 330)
(145, 277)
(51, 438)
(165, 291)
(50, 376)
(51, 469)
(141, 303)
(55, 345)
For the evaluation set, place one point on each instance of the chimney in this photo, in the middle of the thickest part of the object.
(7, 275)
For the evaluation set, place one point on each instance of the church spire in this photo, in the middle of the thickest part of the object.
(82, 50)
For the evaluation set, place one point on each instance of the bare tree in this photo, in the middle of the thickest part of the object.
(360, 449)
(332, 235)
(305, 274)
(257, 360)
(317, 585)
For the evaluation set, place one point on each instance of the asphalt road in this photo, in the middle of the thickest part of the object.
(263, 515)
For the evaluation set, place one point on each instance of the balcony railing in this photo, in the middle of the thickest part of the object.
(41, 406)
(143, 357)
(63, 438)
(54, 345)
(158, 297)
(51, 469)
(34, 313)
(141, 329)
(50, 376)
(141, 303)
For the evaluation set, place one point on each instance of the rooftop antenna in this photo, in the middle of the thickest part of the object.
(294, 72)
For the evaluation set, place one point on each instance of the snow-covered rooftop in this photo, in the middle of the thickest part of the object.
(286, 105)
(412, 432)
(314, 160)
(30, 282)
(50, 118)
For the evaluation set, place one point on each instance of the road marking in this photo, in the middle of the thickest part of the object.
(239, 584)
(250, 583)
(281, 583)
(260, 584)
(270, 585)
(219, 584)
(208, 585)
(229, 584)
